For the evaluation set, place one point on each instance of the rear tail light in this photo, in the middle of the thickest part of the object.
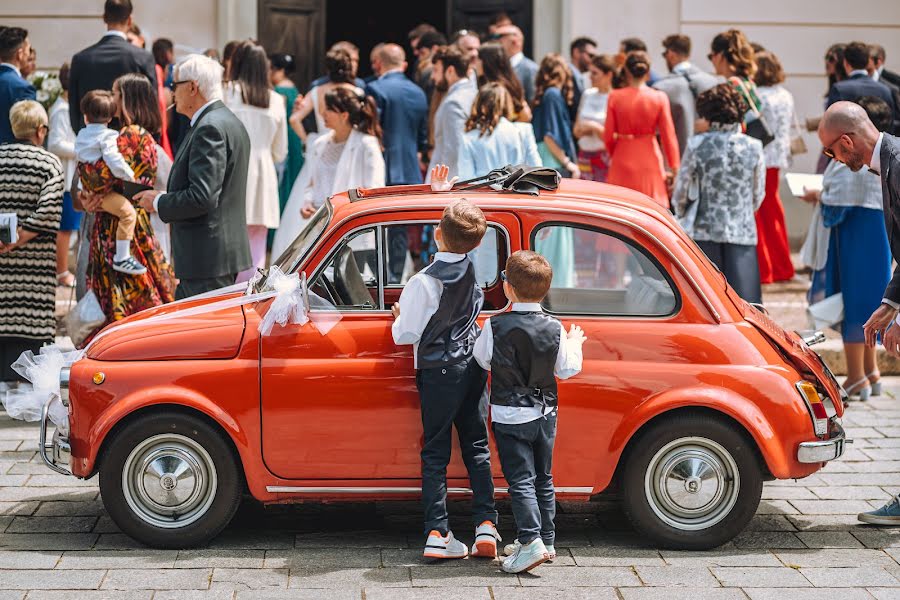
(816, 405)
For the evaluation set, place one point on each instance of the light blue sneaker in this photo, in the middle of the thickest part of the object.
(527, 557)
(889, 514)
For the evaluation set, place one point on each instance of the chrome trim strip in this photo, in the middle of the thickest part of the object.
(42, 442)
(288, 489)
(824, 450)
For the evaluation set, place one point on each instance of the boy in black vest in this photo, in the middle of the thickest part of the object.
(526, 350)
(436, 314)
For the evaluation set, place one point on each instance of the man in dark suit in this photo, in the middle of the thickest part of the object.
(581, 50)
(513, 41)
(207, 188)
(96, 67)
(14, 51)
(403, 112)
(877, 72)
(858, 82)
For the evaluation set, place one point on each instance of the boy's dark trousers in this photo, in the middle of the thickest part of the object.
(455, 395)
(526, 455)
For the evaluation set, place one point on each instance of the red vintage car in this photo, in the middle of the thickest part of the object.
(689, 399)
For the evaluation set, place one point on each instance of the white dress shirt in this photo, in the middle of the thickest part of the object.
(515, 59)
(11, 66)
(857, 72)
(568, 363)
(114, 32)
(419, 301)
(96, 141)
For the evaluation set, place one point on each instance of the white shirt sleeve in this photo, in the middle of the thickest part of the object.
(117, 164)
(484, 346)
(156, 203)
(568, 360)
(890, 303)
(418, 303)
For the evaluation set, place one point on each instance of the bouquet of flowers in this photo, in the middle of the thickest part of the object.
(47, 86)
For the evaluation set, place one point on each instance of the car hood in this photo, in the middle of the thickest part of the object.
(181, 330)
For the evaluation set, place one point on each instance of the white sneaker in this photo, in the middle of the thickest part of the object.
(437, 546)
(129, 266)
(527, 557)
(486, 538)
(511, 549)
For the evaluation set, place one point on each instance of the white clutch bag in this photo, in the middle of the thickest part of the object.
(827, 313)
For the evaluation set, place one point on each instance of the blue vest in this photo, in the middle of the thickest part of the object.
(526, 345)
(449, 337)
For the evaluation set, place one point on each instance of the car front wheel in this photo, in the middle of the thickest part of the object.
(170, 480)
(691, 482)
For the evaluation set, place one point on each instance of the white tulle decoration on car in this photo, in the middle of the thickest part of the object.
(289, 305)
(42, 370)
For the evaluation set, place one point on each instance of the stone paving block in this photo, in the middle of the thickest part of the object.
(53, 480)
(677, 576)
(750, 577)
(52, 525)
(581, 576)
(614, 556)
(829, 539)
(324, 577)
(357, 558)
(51, 580)
(89, 595)
(846, 522)
(830, 507)
(105, 524)
(211, 594)
(546, 593)
(312, 594)
(682, 594)
(13, 480)
(119, 559)
(883, 593)
(834, 558)
(23, 559)
(883, 453)
(878, 538)
(232, 539)
(47, 541)
(849, 492)
(161, 579)
(857, 432)
(116, 541)
(805, 594)
(5, 522)
(12, 595)
(470, 575)
(771, 523)
(26, 494)
(776, 507)
(771, 492)
(352, 539)
(805, 482)
(236, 559)
(721, 558)
(849, 577)
(251, 579)
(18, 508)
(859, 477)
(894, 553)
(94, 508)
(768, 539)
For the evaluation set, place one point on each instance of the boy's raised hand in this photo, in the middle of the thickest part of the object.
(395, 309)
(439, 181)
(576, 335)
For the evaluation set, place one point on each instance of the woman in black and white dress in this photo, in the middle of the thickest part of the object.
(32, 188)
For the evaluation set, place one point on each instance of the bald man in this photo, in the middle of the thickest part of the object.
(513, 41)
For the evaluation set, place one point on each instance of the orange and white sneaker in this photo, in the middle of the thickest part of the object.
(438, 546)
(486, 538)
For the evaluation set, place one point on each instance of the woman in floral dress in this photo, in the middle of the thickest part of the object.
(123, 295)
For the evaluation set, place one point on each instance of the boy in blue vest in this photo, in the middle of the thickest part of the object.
(436, 314)
(526, 350)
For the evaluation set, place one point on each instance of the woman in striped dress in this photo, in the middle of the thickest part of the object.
(31, 187)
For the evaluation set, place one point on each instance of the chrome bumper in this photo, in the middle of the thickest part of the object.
(824, 450)
(57, 454)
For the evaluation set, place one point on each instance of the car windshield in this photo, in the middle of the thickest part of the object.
(300, 247)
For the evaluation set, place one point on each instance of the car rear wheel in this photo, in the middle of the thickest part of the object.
(691, 482)
(170, 480)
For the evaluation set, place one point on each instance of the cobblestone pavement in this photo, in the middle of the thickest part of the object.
(805, 542)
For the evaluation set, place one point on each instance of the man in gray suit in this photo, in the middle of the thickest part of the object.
(449, 75)
(513, 41)
(683, 84)
(207, 189)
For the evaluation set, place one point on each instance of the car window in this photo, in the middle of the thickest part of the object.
(409, 248)
(349, 279)
(596, 273)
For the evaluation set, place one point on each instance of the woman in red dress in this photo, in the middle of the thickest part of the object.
(634, 114)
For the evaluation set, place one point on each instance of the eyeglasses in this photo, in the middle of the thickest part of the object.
(175, 84)
(503, 276)
(827, 151)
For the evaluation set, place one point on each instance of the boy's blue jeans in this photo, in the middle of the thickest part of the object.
(526, 455)
(455, 395)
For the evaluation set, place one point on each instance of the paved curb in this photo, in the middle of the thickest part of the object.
(832, 352)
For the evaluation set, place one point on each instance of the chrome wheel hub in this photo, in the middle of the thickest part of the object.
(692, 483)
(169, 481)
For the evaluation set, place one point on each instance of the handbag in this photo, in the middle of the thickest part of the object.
(755, 123)
(798, 144)
(826, 313)
(85, 318)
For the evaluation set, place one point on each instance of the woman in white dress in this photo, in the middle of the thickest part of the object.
(262, 111)
(341, 74)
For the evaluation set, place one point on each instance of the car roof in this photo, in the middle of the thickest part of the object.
(572, 194)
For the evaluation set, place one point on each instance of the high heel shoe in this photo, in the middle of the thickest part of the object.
(876, 385)
(857, 389)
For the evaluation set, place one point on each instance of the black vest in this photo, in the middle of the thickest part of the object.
(450, 334)
(526, 345)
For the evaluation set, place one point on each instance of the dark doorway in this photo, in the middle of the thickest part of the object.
(369, 23)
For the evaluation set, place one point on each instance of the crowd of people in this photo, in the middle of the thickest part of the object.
(711, 147)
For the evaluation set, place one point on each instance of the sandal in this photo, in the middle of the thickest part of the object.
(65, 279)
(860, 388)
(876, 384)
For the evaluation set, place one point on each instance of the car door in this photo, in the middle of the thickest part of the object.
(344, 406)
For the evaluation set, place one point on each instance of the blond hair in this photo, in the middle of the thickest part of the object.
(25, 117)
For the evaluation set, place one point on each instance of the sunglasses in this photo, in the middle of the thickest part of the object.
(175, 84)
(827, 151)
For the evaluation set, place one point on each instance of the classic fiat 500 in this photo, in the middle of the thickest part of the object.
(689, 399)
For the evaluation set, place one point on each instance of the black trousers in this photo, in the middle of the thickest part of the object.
(191, 287)
(10, 349)
(455, 395)
(740, 265)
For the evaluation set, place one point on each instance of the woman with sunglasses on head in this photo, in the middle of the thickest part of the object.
(733, 58)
